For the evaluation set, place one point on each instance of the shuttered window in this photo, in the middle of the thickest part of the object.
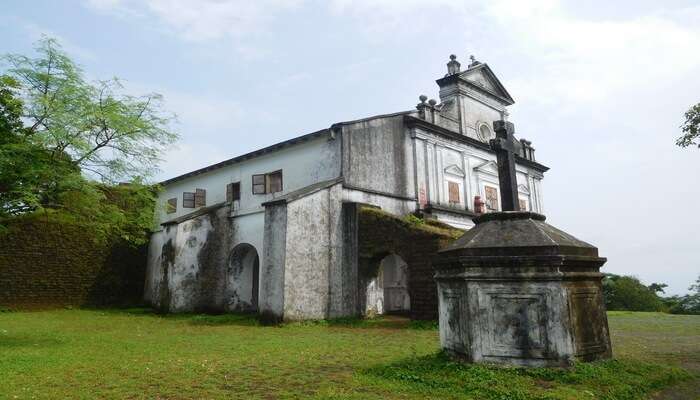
(200, 198)
(522, 204)
(491, 198)
(274, 182)
(171, 205)
(233, 191)
(259, 184)
(267, 183)
(188, 200)
(453, 192)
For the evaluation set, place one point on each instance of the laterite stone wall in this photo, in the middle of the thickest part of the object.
(381, 233)
(46, 263)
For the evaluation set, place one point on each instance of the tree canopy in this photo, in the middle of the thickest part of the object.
(66, 142)
(690, 128)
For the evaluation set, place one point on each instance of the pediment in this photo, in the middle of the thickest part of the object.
(523, 189)
(455, 170)
(487, 167)
(482, 77)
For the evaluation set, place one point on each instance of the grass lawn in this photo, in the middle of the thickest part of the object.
(134, 354)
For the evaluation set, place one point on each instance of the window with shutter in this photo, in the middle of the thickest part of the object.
(491, 198)
(522, 205)
(453, 192)
(188, 200)
(200, 198)
(171, 206)
(259, 184)
(233, 191)
(274, 182)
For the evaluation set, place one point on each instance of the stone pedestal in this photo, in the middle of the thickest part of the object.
(519, 291)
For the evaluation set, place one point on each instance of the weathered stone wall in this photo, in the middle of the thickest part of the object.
(381, 234)
(378, 156)
(46, 263)
(188, 265)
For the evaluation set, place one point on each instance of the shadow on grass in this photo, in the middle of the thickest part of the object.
(611, 379)
(381, 322)
(208, 319)
(253, 319)
(8, 341)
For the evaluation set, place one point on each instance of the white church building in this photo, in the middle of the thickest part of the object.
(271, 232)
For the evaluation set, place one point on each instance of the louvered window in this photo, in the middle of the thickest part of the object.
(188, 200)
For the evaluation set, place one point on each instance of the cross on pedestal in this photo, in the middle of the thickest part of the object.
(505, 150)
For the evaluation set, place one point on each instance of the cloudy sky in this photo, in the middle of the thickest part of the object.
(600, 89)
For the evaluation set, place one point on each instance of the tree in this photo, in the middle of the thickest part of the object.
(28, 178)
(10, 107)
(657, 287)
(690, 128)
(690, 303)
(100, 130)
(58, 133)
(627, 293)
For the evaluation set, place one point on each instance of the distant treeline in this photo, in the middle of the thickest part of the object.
(627, 293)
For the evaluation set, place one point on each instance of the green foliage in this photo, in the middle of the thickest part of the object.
(688, 304)
(611, 379)
(10, 107)
(627, 293)
(413, 220)
(76, 131)
(690, 128)
(109, 134)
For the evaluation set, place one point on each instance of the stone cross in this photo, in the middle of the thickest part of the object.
(505, 150)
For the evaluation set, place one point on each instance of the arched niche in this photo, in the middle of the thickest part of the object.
(243, 279)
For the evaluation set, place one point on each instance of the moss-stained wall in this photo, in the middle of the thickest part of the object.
(415, 241)
(46, 262)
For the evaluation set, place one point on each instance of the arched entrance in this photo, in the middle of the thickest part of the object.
(387, 292)
(243, 278)
(394, 271)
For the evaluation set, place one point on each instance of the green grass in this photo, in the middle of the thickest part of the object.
(134, 354)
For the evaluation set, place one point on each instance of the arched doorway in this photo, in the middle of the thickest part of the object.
(387, 292)
(243, 278)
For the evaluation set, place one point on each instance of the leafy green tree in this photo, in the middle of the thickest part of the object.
(110, 135)
(59, 132)
(690, 128)
(627, 293)
(28, 178)
(10, 107)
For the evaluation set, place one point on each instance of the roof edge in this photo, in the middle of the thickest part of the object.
(247, 156)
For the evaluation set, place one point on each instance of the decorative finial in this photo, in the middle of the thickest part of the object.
(422, 98)
(432, 102)
(471, 57)
(453, 65)
(473, 61)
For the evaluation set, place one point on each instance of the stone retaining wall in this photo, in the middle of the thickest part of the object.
(46, 263)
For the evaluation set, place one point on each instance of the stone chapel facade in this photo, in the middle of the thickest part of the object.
(272, 231)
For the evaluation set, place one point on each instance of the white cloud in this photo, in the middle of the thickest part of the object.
(203, 19)
(592, 60)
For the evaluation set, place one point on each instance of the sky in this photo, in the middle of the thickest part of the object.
(600, 89)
